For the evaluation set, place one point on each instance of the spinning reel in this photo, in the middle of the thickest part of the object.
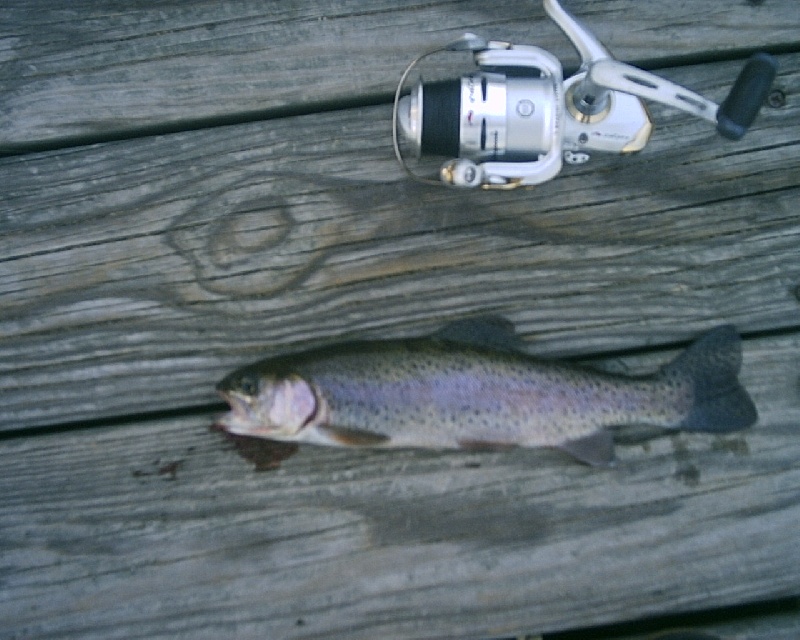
(515, 120)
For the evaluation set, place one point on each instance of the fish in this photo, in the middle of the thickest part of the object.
(472, 387)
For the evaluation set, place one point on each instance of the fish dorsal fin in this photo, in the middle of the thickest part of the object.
(489, 332)
(596, 449)
(353, 437)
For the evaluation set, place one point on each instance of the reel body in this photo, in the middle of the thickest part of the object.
(515, 120)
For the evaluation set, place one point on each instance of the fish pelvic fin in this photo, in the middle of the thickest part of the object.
(347, 437)
(712, 364)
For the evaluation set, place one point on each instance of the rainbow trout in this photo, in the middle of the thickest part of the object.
(442, 393)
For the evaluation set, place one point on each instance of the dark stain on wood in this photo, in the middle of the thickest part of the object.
(737, 445)
(167, 470)
(265, 455)
(686, 471)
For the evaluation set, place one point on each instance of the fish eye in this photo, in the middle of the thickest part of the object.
(248, 385)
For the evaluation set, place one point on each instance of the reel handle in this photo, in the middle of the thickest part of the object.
(739, 109)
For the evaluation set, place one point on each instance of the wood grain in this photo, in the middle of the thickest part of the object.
(135, 274)
(92, 71)
(201, 184)
(159, 530)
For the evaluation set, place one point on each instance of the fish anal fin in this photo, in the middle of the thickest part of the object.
(347, 437)
(596, 449)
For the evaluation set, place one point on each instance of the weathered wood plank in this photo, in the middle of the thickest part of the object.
(135, 274)
(97, 543)
(95, 70)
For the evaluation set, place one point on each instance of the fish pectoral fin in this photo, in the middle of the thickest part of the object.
(347, 437)
(596, 449)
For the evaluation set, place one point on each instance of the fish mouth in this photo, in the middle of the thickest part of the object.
(236, 420)
(241, 419)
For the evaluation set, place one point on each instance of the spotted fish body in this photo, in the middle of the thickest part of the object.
(434, 393)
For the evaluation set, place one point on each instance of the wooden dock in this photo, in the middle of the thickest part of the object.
(189, 186)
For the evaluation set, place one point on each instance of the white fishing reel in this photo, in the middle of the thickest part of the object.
(515, 120)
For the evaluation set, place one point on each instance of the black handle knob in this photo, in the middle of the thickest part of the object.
(748, 93)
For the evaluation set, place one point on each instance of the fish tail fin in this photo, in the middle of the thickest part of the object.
(712, 363)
